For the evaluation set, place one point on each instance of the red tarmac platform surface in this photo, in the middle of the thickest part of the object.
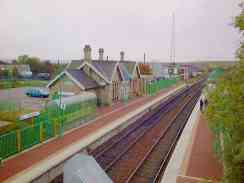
(201, 162)
(106, 115)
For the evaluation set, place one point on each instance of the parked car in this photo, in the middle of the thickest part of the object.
(44, 76)
(37, 92)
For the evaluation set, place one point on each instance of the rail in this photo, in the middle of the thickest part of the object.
(109, 156)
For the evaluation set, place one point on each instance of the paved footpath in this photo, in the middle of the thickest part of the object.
(193, 158)
(33, 163)
(201, 162)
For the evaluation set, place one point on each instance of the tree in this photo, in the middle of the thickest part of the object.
(49, 68)
(14, 73)
(22, 59)
(37, 66)
(6, 74)
(225, 115)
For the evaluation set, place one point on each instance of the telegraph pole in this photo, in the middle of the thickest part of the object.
(172, 44)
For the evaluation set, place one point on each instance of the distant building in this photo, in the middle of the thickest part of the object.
(22, 69)
(185, 71)
(160, 70)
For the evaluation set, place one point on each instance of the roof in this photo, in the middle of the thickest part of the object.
(84, 96)
(84, 168)
(126, 75)
(129, 66)
(106, 68)
(145, 69)
(215, 74)
(82, 78)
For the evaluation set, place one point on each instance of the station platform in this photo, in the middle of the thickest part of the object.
(33, 163)
(193, 159)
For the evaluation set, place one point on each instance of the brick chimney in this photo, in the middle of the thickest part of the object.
(100, 51)
(122, 56)
(87, 53)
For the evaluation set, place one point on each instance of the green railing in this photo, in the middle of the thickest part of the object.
(8, 144)
(51, 122)
(155, 86)
(29, 136)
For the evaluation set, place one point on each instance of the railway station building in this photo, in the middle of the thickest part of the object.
(110, 80)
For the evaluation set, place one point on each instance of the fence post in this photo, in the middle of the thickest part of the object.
(62, 122)
(55, 125)
(18, 140)
(41, 132)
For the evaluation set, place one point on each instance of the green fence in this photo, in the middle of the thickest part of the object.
(51, 122)
(29, 136)
(8, 144)
(154, 86)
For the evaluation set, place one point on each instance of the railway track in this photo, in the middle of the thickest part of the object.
(155, 161)
(140, 123)
(140, 152)
(143, 121)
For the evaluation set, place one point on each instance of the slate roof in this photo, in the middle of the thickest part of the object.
(126, 75)
(129, 66)
(106, 68)
(81, 77)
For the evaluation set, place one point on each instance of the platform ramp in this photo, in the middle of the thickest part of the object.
(83, 168)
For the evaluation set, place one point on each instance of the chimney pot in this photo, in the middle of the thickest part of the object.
(101, 52)
(122, 56)
(87, 53)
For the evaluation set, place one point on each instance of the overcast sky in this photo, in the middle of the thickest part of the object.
(52, 29)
